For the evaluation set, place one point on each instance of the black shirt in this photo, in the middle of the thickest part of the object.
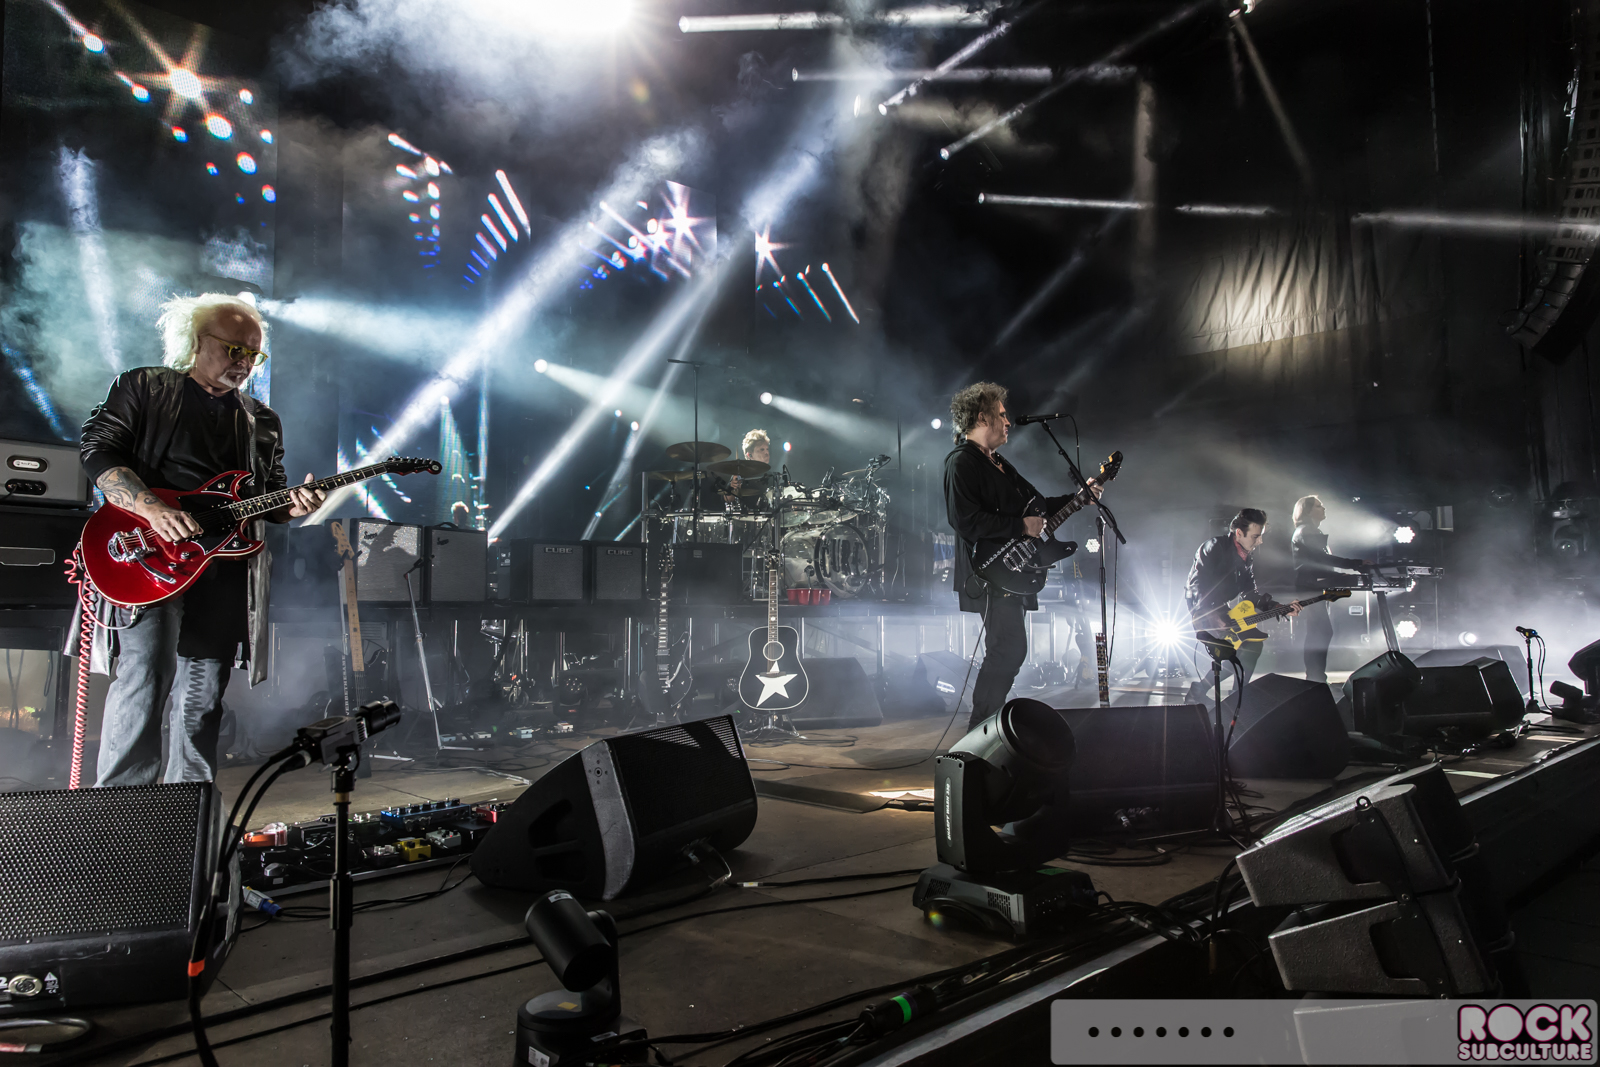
(209, 439)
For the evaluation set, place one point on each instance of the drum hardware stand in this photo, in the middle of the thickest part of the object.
(694, 524)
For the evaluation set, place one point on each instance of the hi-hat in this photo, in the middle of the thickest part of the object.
(673, 476)
(710, 451)
(740, 468)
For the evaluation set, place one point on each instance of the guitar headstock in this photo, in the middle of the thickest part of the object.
(1335, 594)
(412, 465)
(1109, 469)
(341, 540)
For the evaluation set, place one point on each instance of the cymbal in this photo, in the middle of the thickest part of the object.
(710, 451)
(673, 476)
(740, 468)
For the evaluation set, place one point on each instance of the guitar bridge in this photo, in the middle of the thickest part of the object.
(129, 548)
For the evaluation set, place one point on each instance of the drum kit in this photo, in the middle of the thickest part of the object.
(832, 537)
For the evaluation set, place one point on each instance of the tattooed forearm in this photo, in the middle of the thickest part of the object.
(123, 488)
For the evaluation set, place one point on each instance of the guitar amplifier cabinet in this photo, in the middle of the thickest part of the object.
(385, 553)
(103, 887)
(616, 571)
(35, 544)
(706, 574)
(458, 565)
(555, 572)
(42, 474)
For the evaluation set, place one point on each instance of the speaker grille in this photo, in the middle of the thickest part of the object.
(618, 571)
(385, 552)
(98, 860)
(557, 571)
(686, 772)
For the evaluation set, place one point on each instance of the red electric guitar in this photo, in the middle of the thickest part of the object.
(130, 564)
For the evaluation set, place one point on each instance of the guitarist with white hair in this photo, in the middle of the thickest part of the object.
(175, 427)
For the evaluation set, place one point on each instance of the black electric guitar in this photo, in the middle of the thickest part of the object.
(1243, 616)
(774, 679)
(663, 685)
(1019, 565)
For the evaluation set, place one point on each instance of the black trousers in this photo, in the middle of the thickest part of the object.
(1005, 650)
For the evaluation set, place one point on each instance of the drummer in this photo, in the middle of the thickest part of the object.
(757, 446)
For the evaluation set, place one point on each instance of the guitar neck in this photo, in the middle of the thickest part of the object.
(1283, 609)
(1075, 504)
(251, 507)
(772, 604)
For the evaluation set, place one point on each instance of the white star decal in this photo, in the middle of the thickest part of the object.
(773, 683)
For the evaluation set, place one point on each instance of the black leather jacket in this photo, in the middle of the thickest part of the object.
(1315, 568)
(1218, 577)
(985, 503)
(134, 427)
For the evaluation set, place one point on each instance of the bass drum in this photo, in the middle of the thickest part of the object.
(832, 557)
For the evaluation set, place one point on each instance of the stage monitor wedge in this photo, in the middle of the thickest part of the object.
(1141, 769)
(621, 812)
(1288, 728)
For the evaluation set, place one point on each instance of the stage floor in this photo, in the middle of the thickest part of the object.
(703, 973)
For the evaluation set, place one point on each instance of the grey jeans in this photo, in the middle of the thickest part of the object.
(152, 677)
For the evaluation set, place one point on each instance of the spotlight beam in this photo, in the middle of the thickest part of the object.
(902, 17)
(965, 74)
(966, 52)
(1054, 284)
(75, 174)
(1072, 77)
(842, 298)
(548, 273)
(1280, 114)
(686, 310)
(814, 299)
(619, 477)
(1007, 199)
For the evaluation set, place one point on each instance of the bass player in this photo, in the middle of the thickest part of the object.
(985, 499)
(1223, 572)
(175, 427)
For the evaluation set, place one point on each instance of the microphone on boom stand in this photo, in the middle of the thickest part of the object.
(1038, 418)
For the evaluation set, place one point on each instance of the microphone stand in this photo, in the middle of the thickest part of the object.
(1103, 519)
(1221, 822)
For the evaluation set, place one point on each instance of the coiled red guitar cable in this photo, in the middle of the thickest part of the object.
(79, 576)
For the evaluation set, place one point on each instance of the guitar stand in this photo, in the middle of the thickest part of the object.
(775, 726)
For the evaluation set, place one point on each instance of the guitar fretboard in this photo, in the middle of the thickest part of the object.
(251, 507)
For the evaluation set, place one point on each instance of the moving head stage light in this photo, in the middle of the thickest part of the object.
(1011, 769)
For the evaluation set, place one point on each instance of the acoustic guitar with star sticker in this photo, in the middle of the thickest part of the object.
(774, 679)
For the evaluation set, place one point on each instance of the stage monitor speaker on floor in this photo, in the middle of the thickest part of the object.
(616, 572)
(1585, 663)
(102, 887)
(1478, 698)
(621, 812)
(1455, 657)
(841, 697)
(458, 570)
(1142, 769)
(1287, 728)
(35, 544)
(951, 675)
(385, 554)
(706, 575)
